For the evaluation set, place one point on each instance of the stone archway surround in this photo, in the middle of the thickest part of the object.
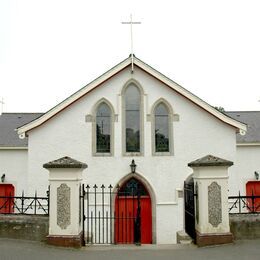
(151, 192)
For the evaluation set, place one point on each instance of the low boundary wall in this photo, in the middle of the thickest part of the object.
(245, 226)
(28, 227)
(35, 227)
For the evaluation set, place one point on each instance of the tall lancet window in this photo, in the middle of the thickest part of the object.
(161, 117)
(103, 128)
(132, 118)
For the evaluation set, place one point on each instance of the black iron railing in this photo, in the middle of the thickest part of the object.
(24, 204)
(112, 215)
(244, 204)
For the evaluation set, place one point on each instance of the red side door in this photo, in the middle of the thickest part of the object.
(253, 187)
(6, 203)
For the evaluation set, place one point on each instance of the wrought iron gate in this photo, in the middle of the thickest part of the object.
(189, 196)
(111, 216)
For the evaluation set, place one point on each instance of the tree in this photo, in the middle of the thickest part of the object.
(220, 109)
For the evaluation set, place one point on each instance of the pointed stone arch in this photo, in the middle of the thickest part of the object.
(165, 102)
(135, 82)
(100, 101)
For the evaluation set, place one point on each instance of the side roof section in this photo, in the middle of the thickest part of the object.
(252, 119)
(9, 122)
(145, 67)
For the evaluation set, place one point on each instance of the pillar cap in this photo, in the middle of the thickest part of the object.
(65, 162)
(210, 160)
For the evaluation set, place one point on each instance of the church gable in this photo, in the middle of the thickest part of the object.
(129, 115)
(141, 66)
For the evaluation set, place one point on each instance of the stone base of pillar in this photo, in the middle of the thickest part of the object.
(66, 241)
(213, 239)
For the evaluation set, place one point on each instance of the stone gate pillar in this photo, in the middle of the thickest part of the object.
(211, 202)
(65, 223)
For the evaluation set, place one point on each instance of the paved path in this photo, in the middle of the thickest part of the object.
(25, 250)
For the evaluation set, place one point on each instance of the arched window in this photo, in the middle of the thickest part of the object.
(161, 133)
(132, 118)
(103, 128)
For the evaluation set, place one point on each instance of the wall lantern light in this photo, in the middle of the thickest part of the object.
(133, 166)
(3, 178)
(256, 175)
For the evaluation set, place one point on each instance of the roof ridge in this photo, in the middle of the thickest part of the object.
(16, 113)
(243, 111)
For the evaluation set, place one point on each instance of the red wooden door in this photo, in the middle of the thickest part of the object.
(253, 188)
(128, 227)
(6, 204)
(146, 220)
(125, 216)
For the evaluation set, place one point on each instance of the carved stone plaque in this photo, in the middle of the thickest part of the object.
(63, 206)
(214, 204)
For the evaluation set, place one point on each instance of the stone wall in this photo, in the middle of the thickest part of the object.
(245, 226)
(27, 227)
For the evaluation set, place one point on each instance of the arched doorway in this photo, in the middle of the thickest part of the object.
(133, 213)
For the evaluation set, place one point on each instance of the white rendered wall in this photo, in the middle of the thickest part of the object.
(13, 163)
(195, 135)
(246, 163)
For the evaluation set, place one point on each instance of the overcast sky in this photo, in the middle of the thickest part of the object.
(51, 48)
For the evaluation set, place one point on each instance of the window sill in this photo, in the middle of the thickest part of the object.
(102, 154)
(129, 154)
(162, 154)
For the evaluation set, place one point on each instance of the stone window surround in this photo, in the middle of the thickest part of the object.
(94, 128)
(138, 85)
(171, 118)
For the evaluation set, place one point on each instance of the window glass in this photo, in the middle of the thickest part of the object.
(103, 128)
(133, 188)
(161, 128)
(132, 118)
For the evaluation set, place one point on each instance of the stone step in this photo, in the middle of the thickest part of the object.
(185, 242)
(183, 236)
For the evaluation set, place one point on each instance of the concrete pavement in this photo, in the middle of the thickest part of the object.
(11, 249)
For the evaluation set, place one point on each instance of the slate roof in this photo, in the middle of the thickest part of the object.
(8, 123)
(252, 119)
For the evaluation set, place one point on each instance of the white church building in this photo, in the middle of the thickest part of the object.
(131, 114)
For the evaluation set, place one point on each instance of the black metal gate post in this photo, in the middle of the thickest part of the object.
(82, 200)
(137, 227)
(189, 209)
